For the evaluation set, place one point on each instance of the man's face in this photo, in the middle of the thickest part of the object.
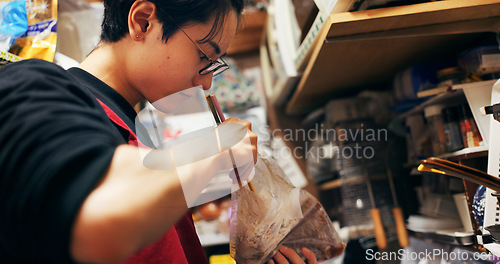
(163, 68)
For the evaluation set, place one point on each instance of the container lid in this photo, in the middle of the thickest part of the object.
(433, 110)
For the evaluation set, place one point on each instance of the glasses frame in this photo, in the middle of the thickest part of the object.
(216, 66)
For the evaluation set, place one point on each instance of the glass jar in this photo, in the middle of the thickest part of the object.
(435, 127)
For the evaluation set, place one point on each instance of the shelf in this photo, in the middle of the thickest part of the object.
(481, 151)
(454, 94)
(466, 153)
(449, 237)
(339, 182)
(367, 48)
(443, 98)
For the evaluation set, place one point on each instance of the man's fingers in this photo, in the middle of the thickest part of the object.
(253, 141)
(279, 258)
(311, 258)
(242, 122)
(286, 255)
(291, 255)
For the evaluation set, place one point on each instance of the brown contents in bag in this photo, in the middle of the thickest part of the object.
(278, 214)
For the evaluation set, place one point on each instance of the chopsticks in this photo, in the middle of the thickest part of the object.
(214, 105)
(449, 168)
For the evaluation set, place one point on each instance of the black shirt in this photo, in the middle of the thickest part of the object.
(56, 142)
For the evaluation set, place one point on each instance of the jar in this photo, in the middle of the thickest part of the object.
(434, 119)
(319, 158)
(451, 129)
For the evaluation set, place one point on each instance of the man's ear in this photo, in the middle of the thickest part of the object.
(139, 18)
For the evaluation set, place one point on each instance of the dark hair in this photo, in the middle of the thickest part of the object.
(180, 12)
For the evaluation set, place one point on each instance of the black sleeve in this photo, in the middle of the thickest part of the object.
(55, 146)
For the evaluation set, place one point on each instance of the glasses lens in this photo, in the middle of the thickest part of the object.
(221, 69)
(216, 67)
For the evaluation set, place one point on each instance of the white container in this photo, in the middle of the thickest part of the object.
(463, 211)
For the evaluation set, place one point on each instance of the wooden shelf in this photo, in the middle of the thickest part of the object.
(365, 49)
(248, 37)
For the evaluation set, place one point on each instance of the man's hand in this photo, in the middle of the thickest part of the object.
(236, 134)
(240, 143)
(287, 255)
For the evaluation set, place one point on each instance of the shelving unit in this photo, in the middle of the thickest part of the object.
(366, 49)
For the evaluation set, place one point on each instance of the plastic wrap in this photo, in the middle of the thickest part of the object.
(13, 22)
(278, 214)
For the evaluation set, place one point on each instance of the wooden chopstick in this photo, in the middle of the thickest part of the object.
(219, 117)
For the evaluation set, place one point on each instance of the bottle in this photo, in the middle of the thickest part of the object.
(452, 129)
(434, 119)
(468, 128)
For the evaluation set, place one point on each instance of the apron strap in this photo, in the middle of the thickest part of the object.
(132, 137)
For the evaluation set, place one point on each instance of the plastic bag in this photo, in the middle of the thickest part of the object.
(13, 22)
(40, 39)
(278, 214)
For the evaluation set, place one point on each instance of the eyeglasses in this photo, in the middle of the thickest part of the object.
(215, 66)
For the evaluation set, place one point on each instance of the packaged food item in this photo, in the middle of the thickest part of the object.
(450, 76)
(276, 214)
(13, 22)
(480, 61)
(6, 58)
(40, 39)
(470, 133)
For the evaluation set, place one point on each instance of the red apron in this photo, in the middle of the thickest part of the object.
(180, 245)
